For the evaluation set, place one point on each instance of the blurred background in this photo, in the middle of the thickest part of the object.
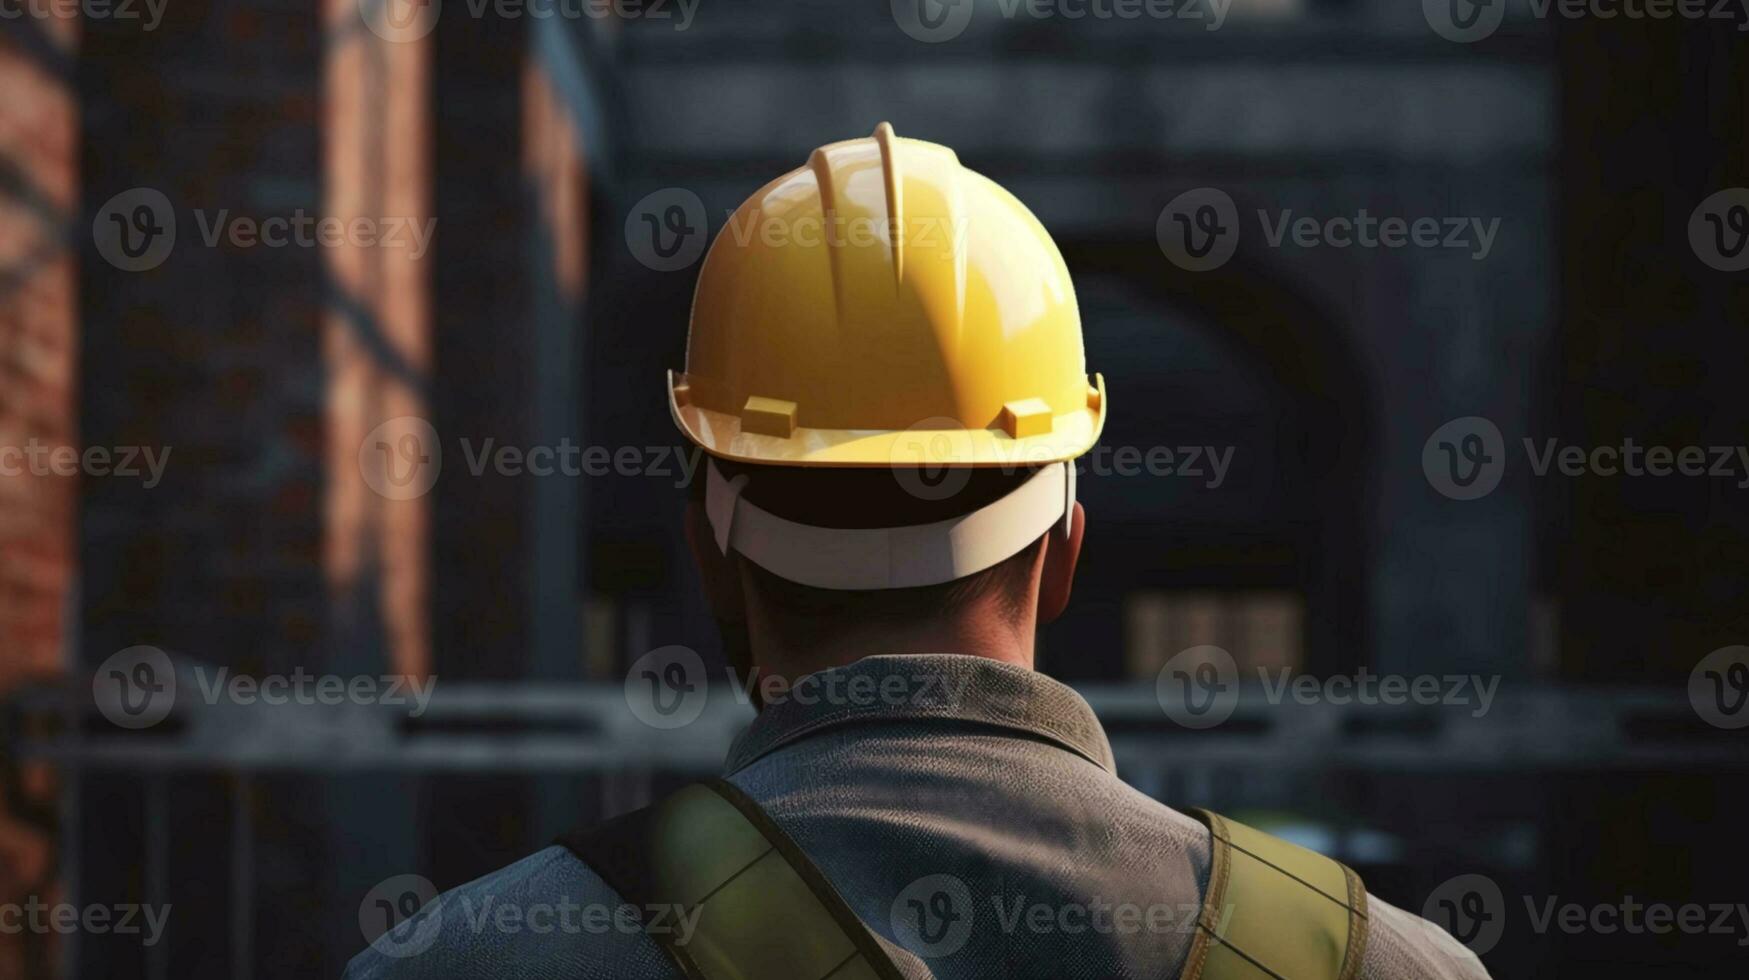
(571, 165)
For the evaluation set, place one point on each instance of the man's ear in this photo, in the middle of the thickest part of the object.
(722, 581)
(1062, 551)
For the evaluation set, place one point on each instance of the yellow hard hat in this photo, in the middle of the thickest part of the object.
(857, 309)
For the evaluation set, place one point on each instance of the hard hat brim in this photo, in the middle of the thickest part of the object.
(721, 435)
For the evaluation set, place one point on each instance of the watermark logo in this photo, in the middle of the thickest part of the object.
(813, 229)
(400, 21)
(1464, 21)
(935, 21)
(135, 230)
(667, 230)
(1464, 458)
(304, 688)
(138, 688)
(135, 687)
(410, 20)
(301, 229)
(1365, 230)
(932, 916)
(932, 459)
(1468, 21)
(1473, 691)
(1199, 229)
(1471, 908)
(1718, 687)
(401, 916)
(849, 689)
(1719, 230)
(1101, 916)
(667, 687)
(932, 21)
(1199, 687)
(567, 916)
(401, 458)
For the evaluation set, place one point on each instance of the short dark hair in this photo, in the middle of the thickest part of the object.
(861, 497)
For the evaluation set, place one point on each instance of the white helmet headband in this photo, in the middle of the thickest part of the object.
(889, 557)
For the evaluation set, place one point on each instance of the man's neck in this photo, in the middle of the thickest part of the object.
(777, 652)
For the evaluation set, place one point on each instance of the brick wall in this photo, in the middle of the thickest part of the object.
(376, 340)
(38, 337)
(37, 349)
(214, 356)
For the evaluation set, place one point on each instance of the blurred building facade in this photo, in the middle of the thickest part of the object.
(39, 352)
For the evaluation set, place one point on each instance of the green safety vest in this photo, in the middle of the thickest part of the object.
(1272, 911)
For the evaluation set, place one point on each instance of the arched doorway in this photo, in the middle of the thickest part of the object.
(1268, 550)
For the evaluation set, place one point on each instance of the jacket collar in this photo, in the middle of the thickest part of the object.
(932, 687)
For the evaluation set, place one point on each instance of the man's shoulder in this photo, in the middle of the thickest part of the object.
(1404, 946)
(547, 914)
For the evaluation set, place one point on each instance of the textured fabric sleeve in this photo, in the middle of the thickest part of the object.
(1401, 946)
(542, 918)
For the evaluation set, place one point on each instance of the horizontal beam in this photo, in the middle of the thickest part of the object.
(589, 728)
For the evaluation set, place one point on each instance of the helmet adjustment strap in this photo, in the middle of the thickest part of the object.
(889, 557)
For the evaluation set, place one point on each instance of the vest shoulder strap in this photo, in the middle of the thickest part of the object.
(1275, 911)
(760, 908)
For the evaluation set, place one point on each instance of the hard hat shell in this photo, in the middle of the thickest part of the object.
(884, 306)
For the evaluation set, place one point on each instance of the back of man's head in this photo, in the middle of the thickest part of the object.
(881, 316)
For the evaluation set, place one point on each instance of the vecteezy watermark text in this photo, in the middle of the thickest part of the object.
(1466, 458)
(1200, 687)
(138, 687)
(403, 916)
(1364, 230)
(667, 230)
(34, 915)
(566, 916)
(301, 229)
(303, 687)
(409, 20)
(402, 458)
(669, 687)
(934, 915)
(1199, 230)
(935, 21)
(150, 12)
(1468, 21)
(566, 458)
(37, 458)
(1474, 910)
(136, 230)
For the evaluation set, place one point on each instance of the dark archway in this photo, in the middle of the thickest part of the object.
(1277, 379)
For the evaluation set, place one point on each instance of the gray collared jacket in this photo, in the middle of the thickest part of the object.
(967, 809)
